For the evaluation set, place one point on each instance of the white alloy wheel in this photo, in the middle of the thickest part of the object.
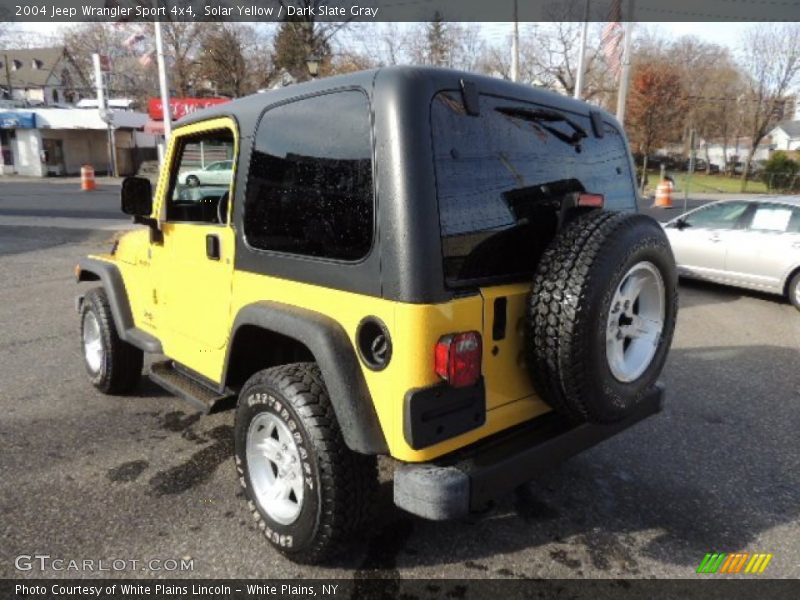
(635, 322)
(276, 473)
(93, 350)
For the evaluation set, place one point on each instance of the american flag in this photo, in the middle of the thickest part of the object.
(611, 41)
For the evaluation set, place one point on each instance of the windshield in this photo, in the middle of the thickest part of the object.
(499, 175)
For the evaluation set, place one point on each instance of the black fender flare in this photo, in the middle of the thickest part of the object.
(327, 340)
(92, 269)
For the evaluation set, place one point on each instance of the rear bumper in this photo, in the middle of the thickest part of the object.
(468, 480)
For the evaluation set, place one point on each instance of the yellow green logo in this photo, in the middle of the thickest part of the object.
(737, 562)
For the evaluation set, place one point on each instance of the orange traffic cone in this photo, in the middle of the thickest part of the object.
(87, 178)
(663, 195)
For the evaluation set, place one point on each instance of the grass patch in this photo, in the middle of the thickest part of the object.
(702, 182)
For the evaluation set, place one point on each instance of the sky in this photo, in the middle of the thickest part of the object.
(724, 34)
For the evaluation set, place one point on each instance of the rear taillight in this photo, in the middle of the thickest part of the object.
(458, 358)
(591, 200)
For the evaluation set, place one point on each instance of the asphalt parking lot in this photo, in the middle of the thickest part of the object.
(145, 477)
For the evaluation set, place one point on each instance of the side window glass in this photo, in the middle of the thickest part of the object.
(794, 222)
(725, 215)
(309, 190)
(200, 185)
(771, 218)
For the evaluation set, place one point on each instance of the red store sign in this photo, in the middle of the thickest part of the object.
(180, 107)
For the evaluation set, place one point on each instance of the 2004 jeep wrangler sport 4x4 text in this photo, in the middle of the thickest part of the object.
(436, 266)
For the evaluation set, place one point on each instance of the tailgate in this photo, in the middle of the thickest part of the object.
(506, 377)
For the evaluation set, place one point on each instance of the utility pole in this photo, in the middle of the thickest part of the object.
(105, 114)
(687, 180)
(163, 83)
(8, 77)
(515, 47)
(582, 54)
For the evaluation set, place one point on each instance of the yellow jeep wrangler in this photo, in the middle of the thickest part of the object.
(436, 266)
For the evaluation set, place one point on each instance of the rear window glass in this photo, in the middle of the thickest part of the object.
(499, 174)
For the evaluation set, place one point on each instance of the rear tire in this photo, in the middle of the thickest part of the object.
(794, 290)
(113, 365)
(308, 492)
(601, 315)
(192, 181)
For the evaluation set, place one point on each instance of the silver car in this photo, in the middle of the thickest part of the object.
(753, 243)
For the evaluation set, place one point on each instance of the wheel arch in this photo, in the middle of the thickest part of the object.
(792, 273)
(92, 269)
(304, 334)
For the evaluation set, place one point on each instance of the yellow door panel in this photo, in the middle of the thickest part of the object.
(192, 287)
(195, 289)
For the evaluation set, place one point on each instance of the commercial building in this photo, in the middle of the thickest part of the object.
(41, 142)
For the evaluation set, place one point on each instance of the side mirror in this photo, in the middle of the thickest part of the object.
(137, 196)
(681, 224)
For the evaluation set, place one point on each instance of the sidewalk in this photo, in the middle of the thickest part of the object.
(71, 180)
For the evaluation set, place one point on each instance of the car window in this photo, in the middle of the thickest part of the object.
(722, 215)
(794, 222)
(771, 218)
(498, 175)
(309, 190)
(191, 197)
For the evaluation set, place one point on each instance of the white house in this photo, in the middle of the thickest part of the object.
(786, 136)
(736, 150)
(40, 76)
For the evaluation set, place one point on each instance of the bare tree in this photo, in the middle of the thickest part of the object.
(182, 42)
(445, 44)
(303, 37)
(713, 83)
(375, 44)
(221, 63)
(771, 61)
(129, 77)
(258, 55)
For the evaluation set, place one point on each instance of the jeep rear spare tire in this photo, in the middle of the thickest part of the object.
(601, 315)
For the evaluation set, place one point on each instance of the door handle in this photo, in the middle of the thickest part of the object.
(212, 246)
(796, 245)
(715, 238)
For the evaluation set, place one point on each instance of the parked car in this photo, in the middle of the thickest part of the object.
(216, 173)
(753, 244)
(700, 164)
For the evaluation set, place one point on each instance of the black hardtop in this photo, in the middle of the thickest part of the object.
(389, 82)
(406, 232)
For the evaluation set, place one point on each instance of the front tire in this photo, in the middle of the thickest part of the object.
(192, 181)
(308, 492)
(113, 365)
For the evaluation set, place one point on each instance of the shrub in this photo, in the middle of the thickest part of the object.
(780, 172)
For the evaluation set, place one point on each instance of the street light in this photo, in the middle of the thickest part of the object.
(312, 63)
